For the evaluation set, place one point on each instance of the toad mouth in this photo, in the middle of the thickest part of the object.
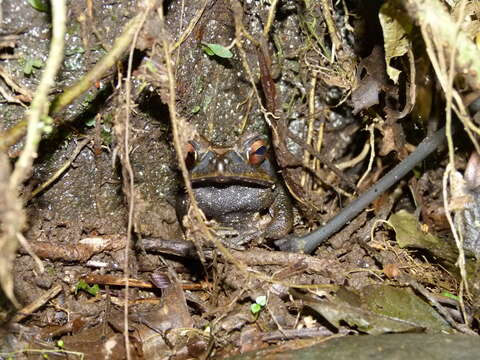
(226, 179)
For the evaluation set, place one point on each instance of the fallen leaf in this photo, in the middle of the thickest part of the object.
(395, 25)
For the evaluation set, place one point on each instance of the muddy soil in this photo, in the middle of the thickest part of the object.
(187, 303)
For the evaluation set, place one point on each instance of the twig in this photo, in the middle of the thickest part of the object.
(197, 213)
(332, 30)
(12, 84)
(14, 219)
(311, 121)
(31, 308)
(175, 131)
(309, 242)
(458, 242)
(29, 250)
(459, 107)
(451, 165)
(357, 159)
(129, 171)
(82, 251)
(119, 47)
(252, 257)
(61, 170)
(10, 98)
(121, 281)
(372, 155)
(43, 352)
(270, 18)
(39, 105)
(298, 140)
(190, 27)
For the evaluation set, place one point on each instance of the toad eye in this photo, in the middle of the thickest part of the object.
(190, 155)
(257, 152)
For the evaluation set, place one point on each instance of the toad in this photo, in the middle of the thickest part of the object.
(238, 187)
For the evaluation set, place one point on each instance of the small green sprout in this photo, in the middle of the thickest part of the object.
(92, 290)
(31, 65)
(39, 5)
(450, 295)
(259, 304)
(60, 344)
(217, 50)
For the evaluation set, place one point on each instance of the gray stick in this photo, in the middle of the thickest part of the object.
(308, 243)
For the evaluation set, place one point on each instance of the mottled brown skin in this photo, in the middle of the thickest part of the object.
(232, 191)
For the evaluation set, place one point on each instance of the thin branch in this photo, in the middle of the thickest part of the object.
(13, 217)
(61, 170)
(128, 168)
(372, 155)
(39, 106)
(190, 27)
(38, 303)
(270, 18)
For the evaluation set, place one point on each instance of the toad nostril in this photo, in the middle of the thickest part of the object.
(221, 164)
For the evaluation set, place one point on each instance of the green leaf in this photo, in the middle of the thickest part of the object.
(450, 296)
(28, 68)
(30, 64)
(218, 50)
(60, 344)
(37, 63)
(379, 309)
(92, 290)
(47, 124)
(409, 234)
(195, 109)
(255, 308)
(207, 51)
(39, 5)
(80, 286)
